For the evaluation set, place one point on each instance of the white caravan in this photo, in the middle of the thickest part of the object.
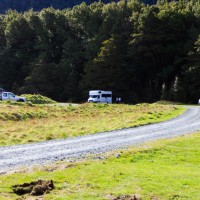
(100, 96)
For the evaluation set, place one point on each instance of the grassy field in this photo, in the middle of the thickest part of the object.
(23, 123)
(165, 170)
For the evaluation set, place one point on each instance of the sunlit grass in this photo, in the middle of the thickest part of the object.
(22, 123)
(166, 170)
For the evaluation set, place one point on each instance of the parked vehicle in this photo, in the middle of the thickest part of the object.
(9, 96)
(1, 90)
(100, 96)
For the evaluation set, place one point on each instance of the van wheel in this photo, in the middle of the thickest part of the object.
(20, 100)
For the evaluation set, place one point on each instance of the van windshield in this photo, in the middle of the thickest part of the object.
(94, 96)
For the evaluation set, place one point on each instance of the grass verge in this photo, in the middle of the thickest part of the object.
(166, 169)
(23, 123)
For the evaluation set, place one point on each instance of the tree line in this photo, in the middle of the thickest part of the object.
(142, 53)
(38, 5)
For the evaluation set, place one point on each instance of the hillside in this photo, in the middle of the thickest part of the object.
(139, 52)
(37, 5)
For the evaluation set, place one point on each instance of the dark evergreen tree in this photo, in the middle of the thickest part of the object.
(192, 74)
(130, 48)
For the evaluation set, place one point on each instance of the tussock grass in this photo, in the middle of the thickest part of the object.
(22, 123)
(163, 170)
(22, 115)
(38, 99)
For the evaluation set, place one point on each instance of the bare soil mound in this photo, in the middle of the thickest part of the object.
(36, 188)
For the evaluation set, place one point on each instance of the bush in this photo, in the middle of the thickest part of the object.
(38, 99)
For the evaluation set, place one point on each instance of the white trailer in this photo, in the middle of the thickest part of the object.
(100, 96)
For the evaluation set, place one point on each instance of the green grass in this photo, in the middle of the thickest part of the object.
(23, 123)
(167, 170)
(38, 99)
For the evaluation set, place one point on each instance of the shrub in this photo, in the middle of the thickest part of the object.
(38, 99)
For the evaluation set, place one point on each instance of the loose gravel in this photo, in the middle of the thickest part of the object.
(13, 157)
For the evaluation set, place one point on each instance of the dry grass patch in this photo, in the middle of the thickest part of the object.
(22, 123)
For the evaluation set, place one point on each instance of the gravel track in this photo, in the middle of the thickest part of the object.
(12, 157)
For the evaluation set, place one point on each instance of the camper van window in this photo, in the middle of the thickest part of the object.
(106, 95)
(94, 96)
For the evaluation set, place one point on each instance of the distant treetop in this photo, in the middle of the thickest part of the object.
(37, 5)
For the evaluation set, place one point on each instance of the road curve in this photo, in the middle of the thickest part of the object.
(12, 157)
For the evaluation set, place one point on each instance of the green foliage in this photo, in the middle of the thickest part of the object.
(130, 48)
(192, 73)
(37, 5)
(38, 99)
(176, 92)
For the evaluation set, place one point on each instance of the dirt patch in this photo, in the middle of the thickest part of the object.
(36, 188)
(154, 198)
(128, 197)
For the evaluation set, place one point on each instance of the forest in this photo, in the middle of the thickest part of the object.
(143, 53)
(37, 5)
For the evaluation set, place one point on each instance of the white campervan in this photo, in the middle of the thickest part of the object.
(100, 96)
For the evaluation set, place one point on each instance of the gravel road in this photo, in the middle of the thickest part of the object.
(12, 157)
